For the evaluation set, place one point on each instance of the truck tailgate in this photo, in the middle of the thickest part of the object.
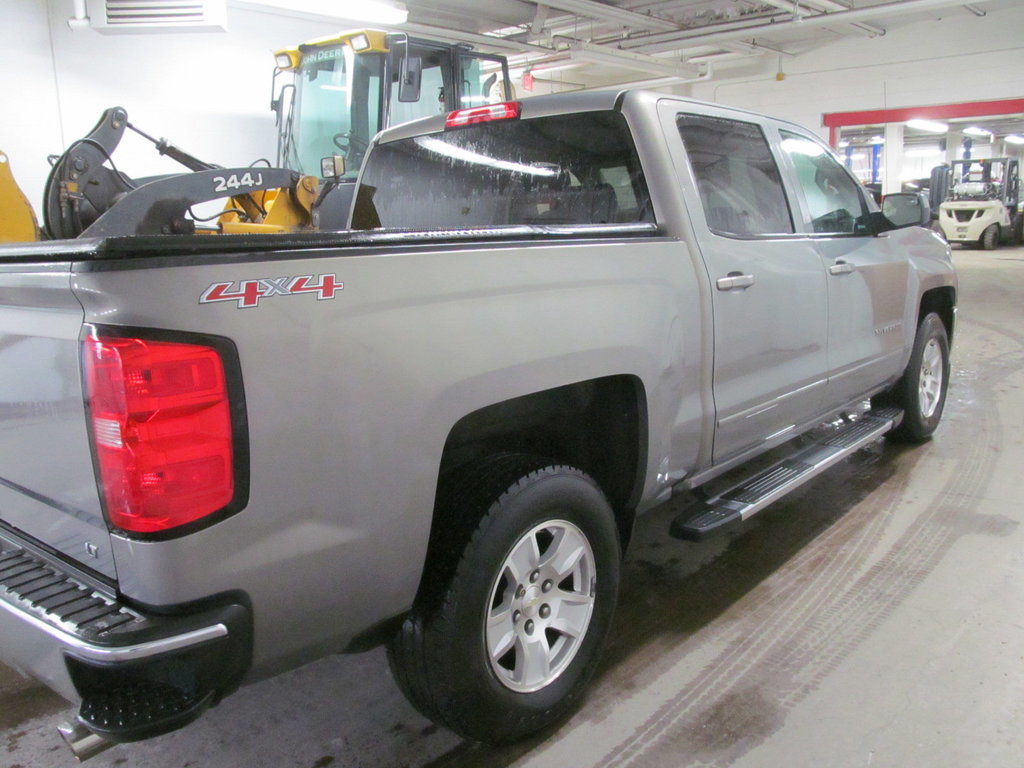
(48, 487)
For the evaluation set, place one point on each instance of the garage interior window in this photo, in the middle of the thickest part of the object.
(737, 177)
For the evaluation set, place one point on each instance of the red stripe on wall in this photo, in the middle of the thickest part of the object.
(933, 112)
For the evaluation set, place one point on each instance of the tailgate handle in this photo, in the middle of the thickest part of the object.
(734, 280)
(841, 268)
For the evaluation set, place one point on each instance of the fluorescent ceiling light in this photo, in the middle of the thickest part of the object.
(976, 131)
(928, 125)
(844, 144)
(923, 152)
(1013, 138)
(877, 140)
(371, 11)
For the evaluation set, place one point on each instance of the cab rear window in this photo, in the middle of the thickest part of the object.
(566, 169)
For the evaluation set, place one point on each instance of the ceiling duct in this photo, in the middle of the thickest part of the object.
(149, 16)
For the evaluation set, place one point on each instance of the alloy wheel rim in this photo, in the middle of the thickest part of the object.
(540, 605)
(930, 381)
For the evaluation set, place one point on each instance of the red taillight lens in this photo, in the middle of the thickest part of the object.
(161, 425)
(507, 110)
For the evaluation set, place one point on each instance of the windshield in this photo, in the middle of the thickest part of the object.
(337, 108)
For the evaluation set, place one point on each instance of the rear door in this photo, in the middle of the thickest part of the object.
(867, 275)
(47, 485)
(767, 281)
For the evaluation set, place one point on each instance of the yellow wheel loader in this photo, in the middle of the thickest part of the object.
(346, 88)
(343, 90)
(17, 219)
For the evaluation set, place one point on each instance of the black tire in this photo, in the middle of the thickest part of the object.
(921, 390)
(441, 658)
(990, 237)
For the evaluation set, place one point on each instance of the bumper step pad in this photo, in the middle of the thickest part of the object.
(138, 672)
(140, 710)
(754, 494)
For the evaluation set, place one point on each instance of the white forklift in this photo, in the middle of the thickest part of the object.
(982, 202)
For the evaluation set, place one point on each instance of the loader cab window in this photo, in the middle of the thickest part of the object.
(337, 107)
(484, 80)
(737, 178)
(435, 83)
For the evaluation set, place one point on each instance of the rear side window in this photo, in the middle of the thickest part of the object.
(567, 169)
(737, 177)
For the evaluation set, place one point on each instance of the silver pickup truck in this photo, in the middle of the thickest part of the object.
(221, 457)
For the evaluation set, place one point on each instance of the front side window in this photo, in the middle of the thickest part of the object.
(565, 169)
(737, 178)
(834, 201)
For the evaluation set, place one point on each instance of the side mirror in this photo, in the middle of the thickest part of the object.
(905, 209)
(332, 167)
(410, 74)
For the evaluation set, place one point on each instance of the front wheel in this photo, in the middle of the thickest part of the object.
(990, 237)
(515, 606)
(921, 390)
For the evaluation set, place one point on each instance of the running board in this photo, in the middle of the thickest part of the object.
(751, 496)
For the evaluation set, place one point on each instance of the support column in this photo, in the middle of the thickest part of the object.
(953, 139)
(893, 158)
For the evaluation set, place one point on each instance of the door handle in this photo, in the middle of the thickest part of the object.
(841, 268)
(734, 280)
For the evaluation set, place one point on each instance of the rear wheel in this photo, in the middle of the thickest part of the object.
(990, 237)
(516, 602)
(921, 390)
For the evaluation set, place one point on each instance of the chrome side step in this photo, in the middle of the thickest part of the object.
(754, 494)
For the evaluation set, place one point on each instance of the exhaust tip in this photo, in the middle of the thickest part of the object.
(83, 742)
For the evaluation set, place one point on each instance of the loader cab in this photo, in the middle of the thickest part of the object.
(346, 88)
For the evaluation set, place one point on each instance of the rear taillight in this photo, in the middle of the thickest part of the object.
(507, 110)
(162, 431)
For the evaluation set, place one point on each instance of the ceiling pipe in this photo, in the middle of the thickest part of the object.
(80, 19)
(702, 36)
(540, 19)
(596, 54)
(661, 82)
(832, 5)
(482, 41)
(613, 14)
(651, 43)
(801, 12)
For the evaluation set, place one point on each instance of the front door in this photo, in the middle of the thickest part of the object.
(867, 275)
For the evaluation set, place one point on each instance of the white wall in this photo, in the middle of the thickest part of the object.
(209, 93)
(958, 58)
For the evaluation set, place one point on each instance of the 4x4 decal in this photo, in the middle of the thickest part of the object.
(247, 293)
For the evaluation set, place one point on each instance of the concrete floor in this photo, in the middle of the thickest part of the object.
(875, 618)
